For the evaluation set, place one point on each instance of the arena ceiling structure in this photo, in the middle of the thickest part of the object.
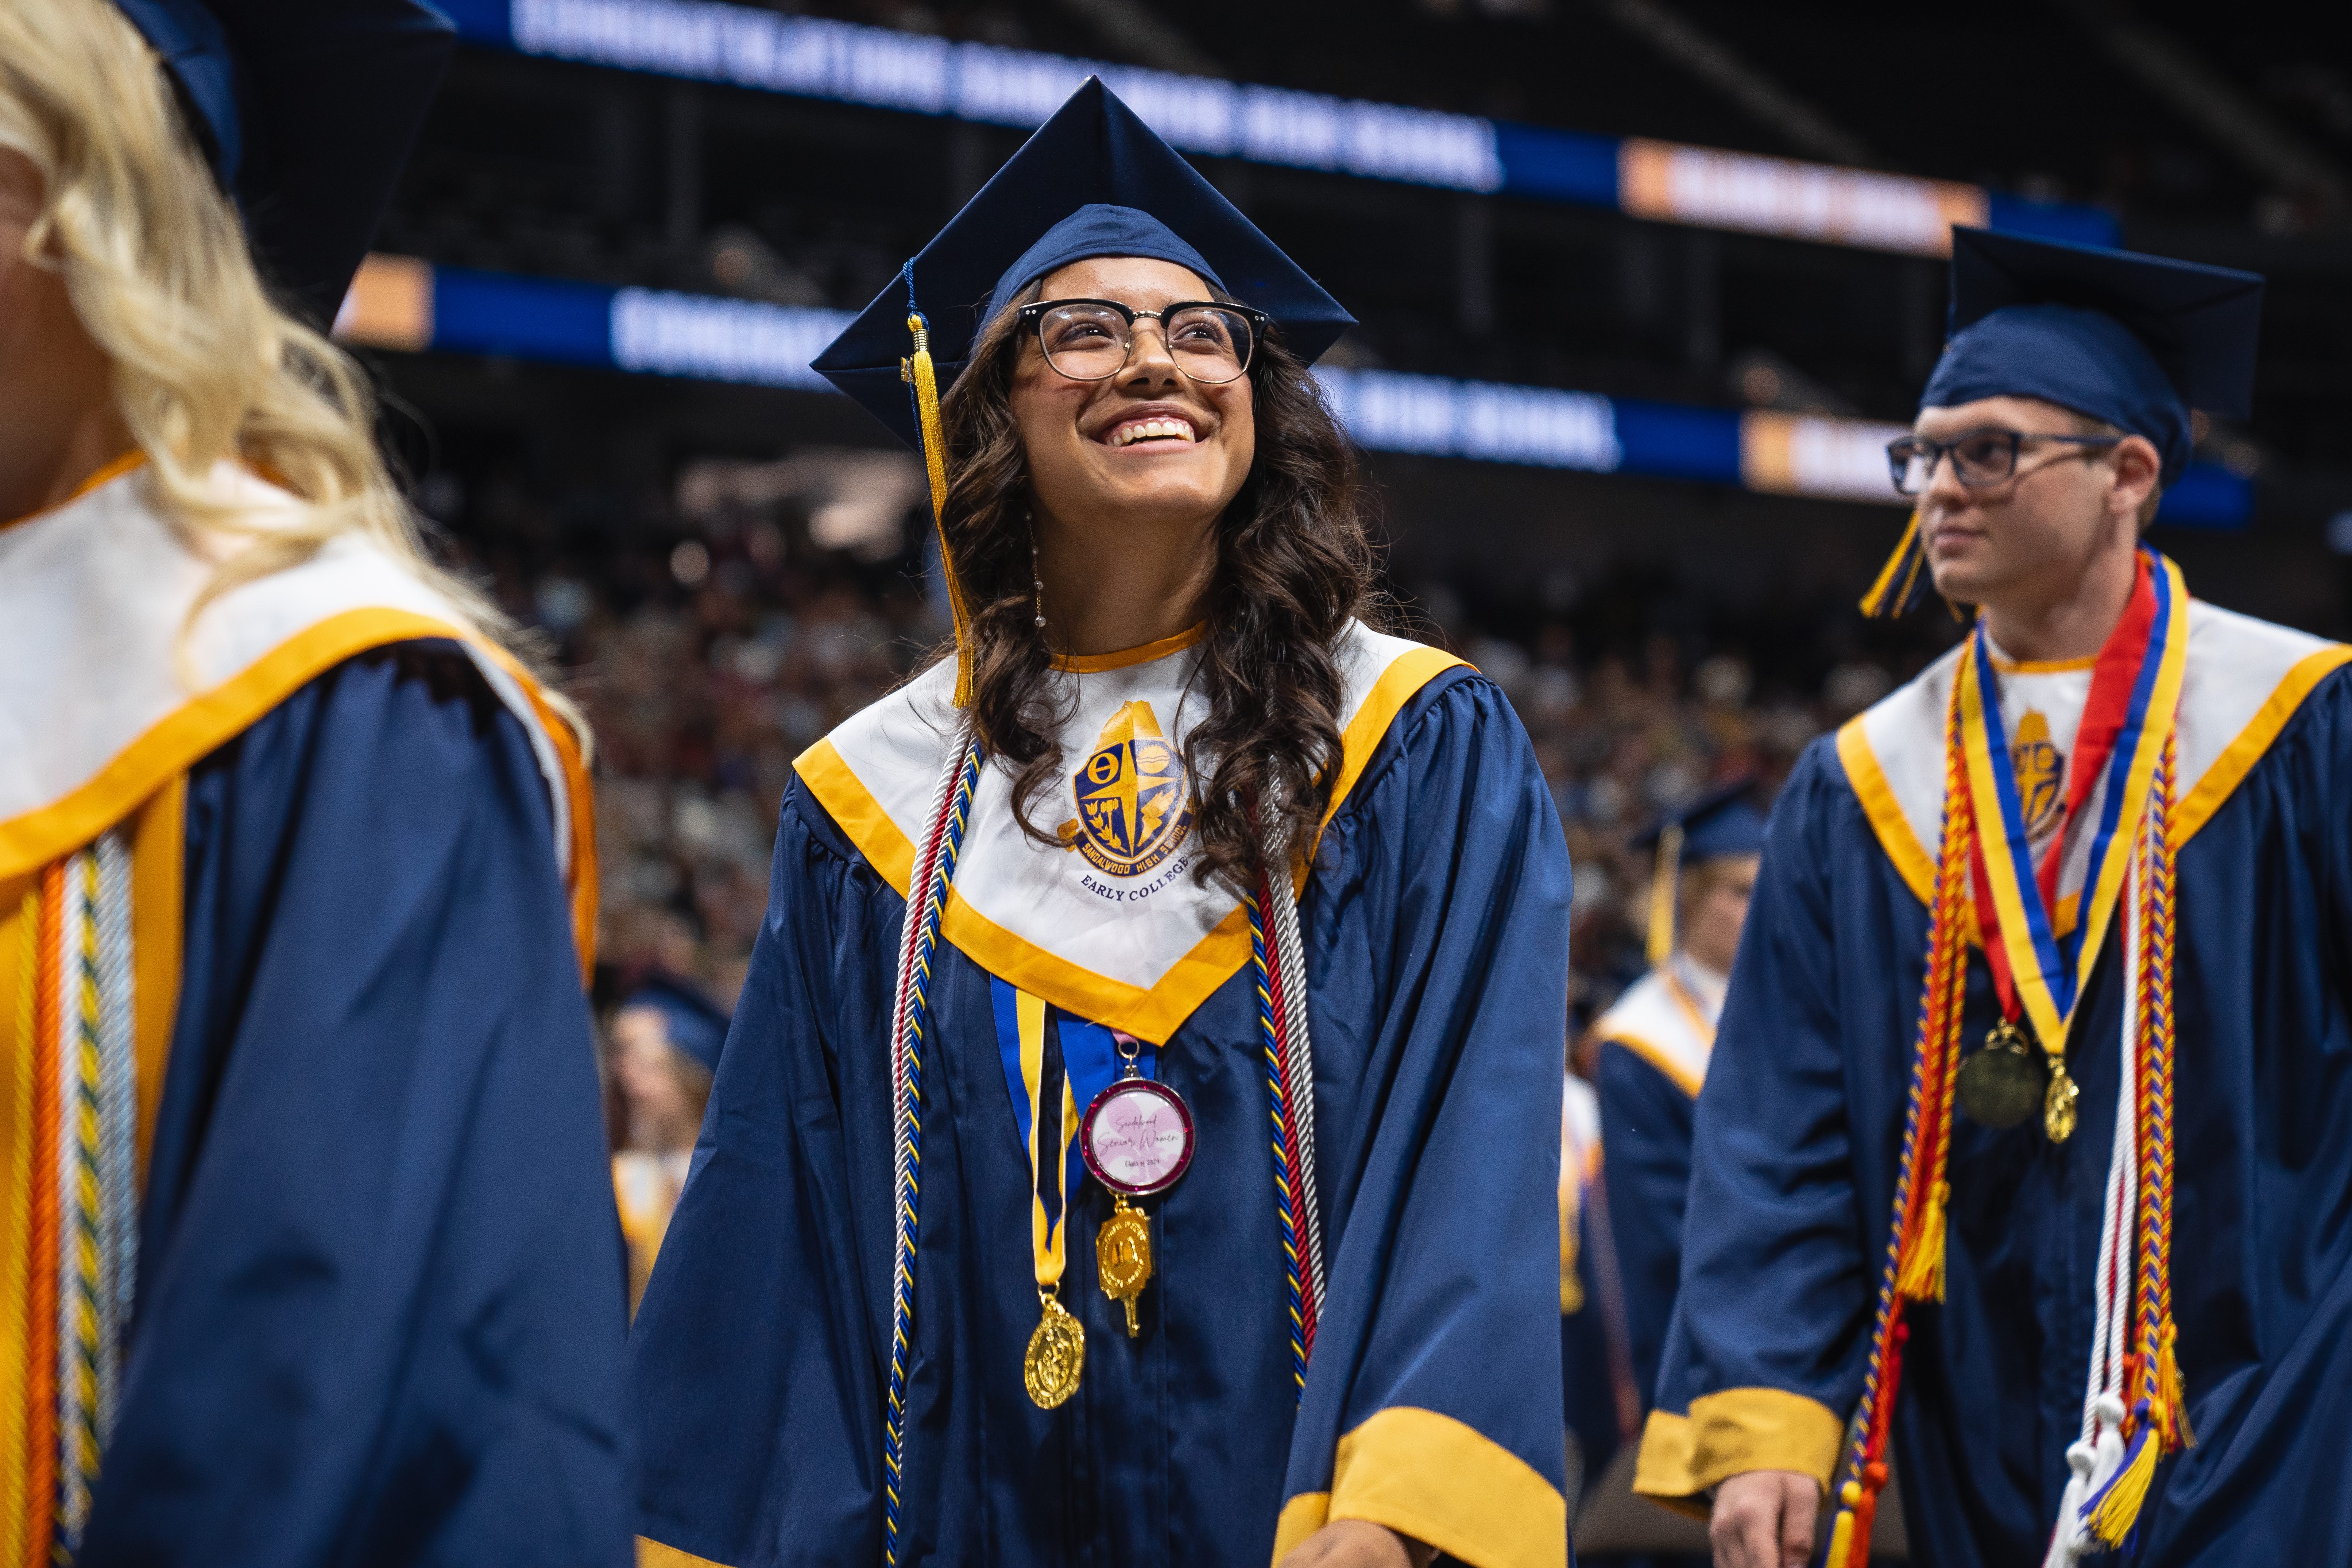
(1639, 280)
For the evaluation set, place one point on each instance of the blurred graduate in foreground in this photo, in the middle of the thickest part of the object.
(1138, 1139)
(2021, 1159)
(311, 1256)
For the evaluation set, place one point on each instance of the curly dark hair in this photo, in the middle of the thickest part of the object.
(1294, 563)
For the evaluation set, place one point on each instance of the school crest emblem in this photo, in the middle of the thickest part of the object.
(2041, 770)
(1135, 803)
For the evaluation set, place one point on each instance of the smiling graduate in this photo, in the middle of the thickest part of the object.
(1138, 1140)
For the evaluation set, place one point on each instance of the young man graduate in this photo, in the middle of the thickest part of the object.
(309, 1246)
(1138, 1140)
(2033, 1100)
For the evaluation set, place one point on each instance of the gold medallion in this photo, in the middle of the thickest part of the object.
(1057, 1354)
(1123, 1258)
(2000, 1085)
(2058, 1106)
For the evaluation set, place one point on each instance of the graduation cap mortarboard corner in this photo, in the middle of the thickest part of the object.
(307, 108)
(696, 1025)
(1721, 823)
(2136, 341)
(1094, 180)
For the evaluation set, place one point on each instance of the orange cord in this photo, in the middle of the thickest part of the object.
(41, 1292)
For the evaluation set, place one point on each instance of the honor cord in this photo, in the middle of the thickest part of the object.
(933, 871)
(1299, 1056)
(1290, 1080)
(2094, 1459)
(1913, 1268)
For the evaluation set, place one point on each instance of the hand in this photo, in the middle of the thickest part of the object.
(1764, 1519)
(1354, 1543)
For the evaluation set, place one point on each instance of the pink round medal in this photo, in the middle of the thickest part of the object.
(1137, 1137)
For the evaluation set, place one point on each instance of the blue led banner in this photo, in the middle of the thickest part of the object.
(399, 302)
(768, 51)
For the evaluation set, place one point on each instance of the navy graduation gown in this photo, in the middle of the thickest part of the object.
(1646, 1128)
(379, 1316)
(1799, 1129)
(1435, 928)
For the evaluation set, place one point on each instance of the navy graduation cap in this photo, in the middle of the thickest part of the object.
(2136, 341)
(1722, 822)
(307, 110)
(696, 1025)
(1093, 181)
(1718, 825)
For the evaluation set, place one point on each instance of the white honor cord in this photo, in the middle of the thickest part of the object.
(2097, 1453)
(1290, 954)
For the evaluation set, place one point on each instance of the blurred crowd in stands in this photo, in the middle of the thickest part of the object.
(710, 650)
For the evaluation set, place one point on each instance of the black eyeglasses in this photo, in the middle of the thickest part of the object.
(1980, 457)
(1090, 339)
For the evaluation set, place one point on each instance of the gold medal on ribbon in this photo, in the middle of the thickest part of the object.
(1057, 1346)
(2002, 1083)
(1056, 1355)
(1123, 1258)
(2059, 1107)
(2012, 792)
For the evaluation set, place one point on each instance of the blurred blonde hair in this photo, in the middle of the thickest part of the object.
(206, 366)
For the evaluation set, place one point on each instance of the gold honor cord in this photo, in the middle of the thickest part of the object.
(1057, 1349)
(917, 372)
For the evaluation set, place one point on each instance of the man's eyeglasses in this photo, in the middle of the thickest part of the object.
(1089, 340)
(1980, 457)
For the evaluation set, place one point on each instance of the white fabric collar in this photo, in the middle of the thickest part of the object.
(1653, 1024)
(2244, 680)
(1112, 926)
(95, 676)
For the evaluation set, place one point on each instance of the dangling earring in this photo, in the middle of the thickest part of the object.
(1036, 575)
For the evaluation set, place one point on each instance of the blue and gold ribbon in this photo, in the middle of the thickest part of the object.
(1048, 1229)
(2047, 977)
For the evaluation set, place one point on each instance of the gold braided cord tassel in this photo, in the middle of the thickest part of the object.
(2169, 1393)
(1919, 1176)
(918, 371)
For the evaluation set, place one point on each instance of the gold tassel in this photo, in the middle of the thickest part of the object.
(2116, 1508)
(2171, 1395)
(918, 371)
(1664, 888)
(1840, 1538)
(1850, 1533)
(1898, 579)
(1921, 1276)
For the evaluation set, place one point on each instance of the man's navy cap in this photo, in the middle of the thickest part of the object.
(1094, 181)
(1722, 822)
(307, 110)
(2136, 341)
(696, 1025)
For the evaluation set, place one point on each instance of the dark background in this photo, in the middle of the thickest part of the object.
(1656, 634)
